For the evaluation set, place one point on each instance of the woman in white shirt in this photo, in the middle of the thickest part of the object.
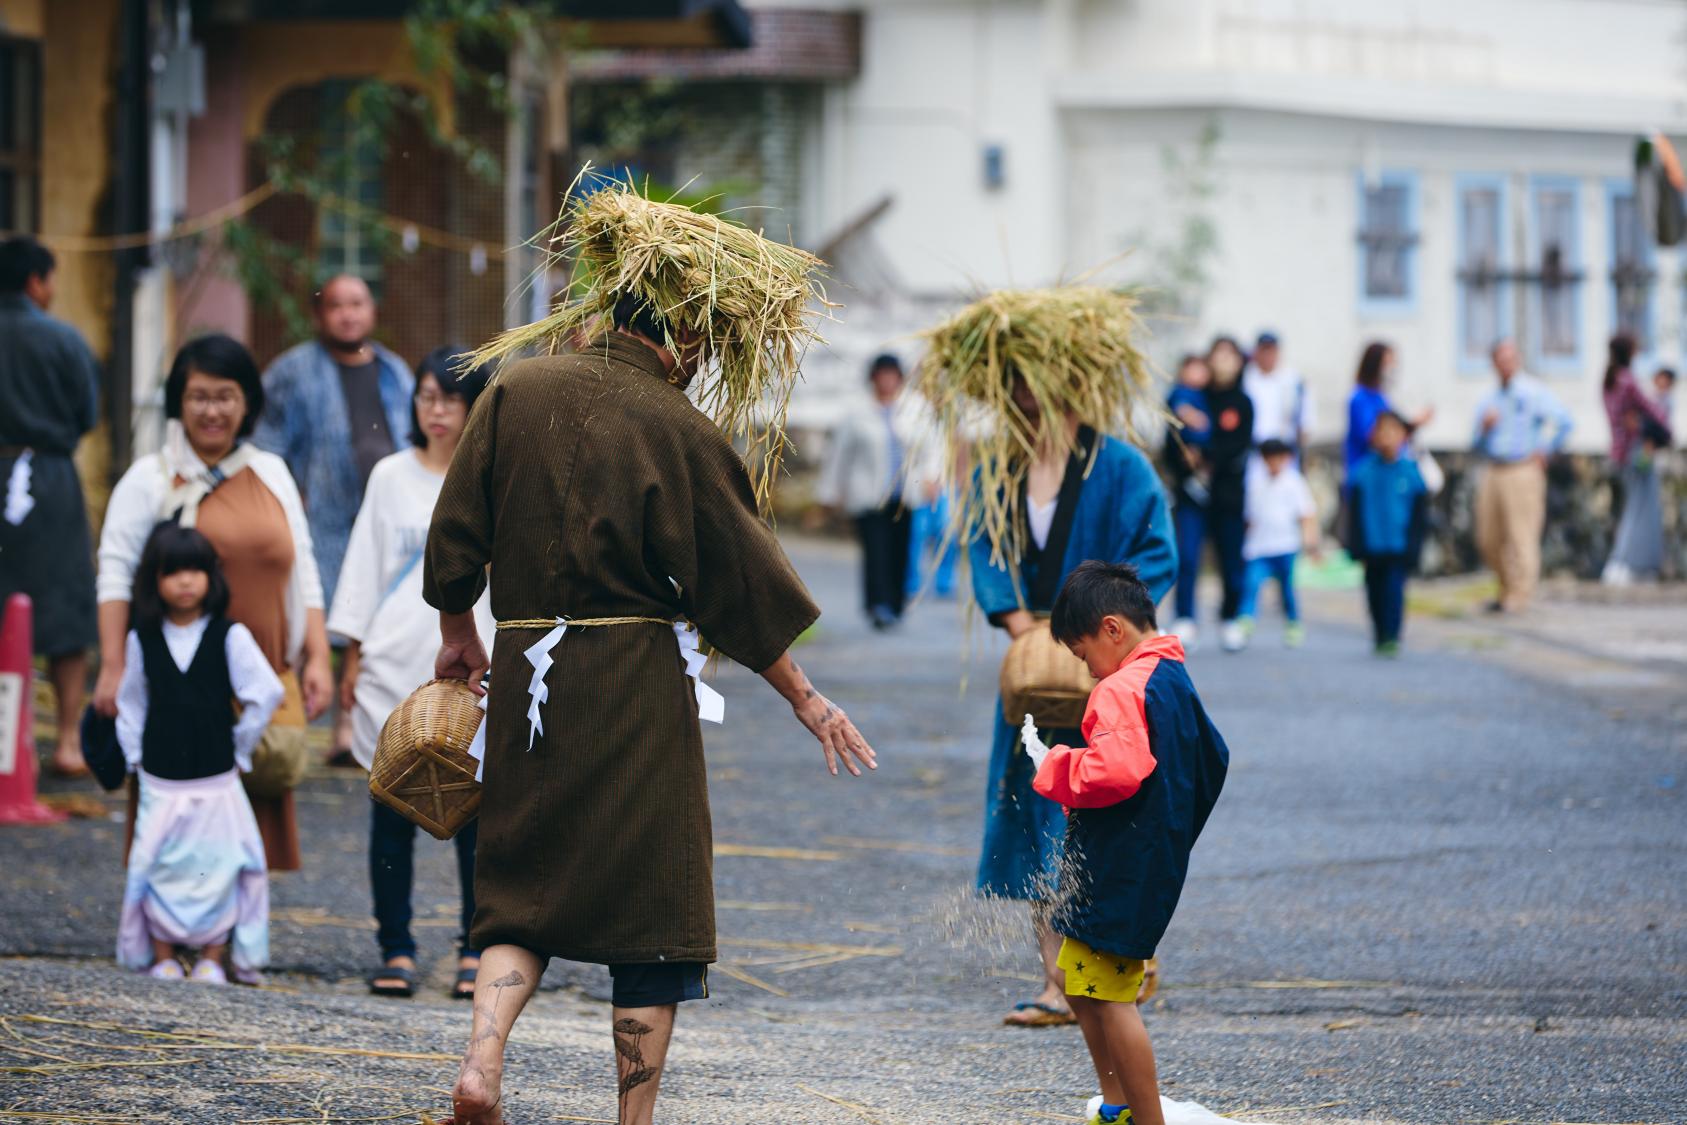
(209, 477)
(392, 637)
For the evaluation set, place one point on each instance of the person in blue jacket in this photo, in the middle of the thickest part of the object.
(1117, 512)
(1388, 510)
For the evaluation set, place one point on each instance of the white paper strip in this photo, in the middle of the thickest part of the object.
(539, 655)
(477, 745)
(18, 500)
(711, 705)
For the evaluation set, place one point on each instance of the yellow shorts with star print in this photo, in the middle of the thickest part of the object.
(1099, 976)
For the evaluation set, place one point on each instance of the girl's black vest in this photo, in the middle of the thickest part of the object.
(189, 715)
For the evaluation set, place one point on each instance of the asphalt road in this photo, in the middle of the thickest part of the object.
(1446, 888)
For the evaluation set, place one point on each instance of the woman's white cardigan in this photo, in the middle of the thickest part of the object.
(135, 508)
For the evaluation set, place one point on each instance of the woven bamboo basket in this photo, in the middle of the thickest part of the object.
(422, 766)
(1041, 678)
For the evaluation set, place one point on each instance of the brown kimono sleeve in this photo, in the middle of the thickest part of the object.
(738, 587)
(460, 537)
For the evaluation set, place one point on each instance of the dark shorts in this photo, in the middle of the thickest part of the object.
(659, 983)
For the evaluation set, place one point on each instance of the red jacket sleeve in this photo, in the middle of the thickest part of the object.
(1113, 766)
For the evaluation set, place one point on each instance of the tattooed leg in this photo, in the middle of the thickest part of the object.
(641, 1048)
(508, 975)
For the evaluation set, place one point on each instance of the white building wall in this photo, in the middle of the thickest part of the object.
(1309, 95)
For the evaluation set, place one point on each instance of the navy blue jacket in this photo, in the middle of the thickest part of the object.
(1139, 795)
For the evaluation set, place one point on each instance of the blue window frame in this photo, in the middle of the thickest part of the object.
(1557, 337)
(1631, 269)
(1484, 262)
(1388, 240)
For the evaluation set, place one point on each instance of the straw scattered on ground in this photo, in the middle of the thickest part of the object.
(751, 302)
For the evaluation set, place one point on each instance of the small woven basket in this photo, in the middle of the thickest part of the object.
(1041, 678)
(422, 766)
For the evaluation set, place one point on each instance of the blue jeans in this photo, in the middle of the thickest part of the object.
(931, 526)
(1190, 521)
(392, 853)
(1228, 529)
(1280, 567)
(1385, 595)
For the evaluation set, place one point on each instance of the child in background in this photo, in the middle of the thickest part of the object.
(197, 877)
(1282, 519)
(1137, 796)
(1388, 507)
(1188, 401)
(1663, 391)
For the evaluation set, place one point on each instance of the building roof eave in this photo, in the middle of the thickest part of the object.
(1451, 105)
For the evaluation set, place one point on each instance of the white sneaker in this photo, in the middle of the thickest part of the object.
(1617, 574)
(1233, 635)
(1185, 630)
(207, 971)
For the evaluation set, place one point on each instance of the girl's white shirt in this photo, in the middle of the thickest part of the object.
(137, 505)
(254, 682)
(378, 602)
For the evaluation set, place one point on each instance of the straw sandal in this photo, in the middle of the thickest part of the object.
(1047, 1015)
(401, 973)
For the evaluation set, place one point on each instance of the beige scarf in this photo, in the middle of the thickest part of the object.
(191, 480)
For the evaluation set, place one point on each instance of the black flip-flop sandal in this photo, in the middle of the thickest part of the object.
(464, 976)
(393, 972)
(1047, 1016)
(343, 759)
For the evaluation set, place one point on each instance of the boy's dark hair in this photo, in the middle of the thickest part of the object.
(222, 357)
(1275, 447)
(1394, 416)
(1667, 374)
(451, 368)
(882, 361)
(634, 314)
(171, 548)
(21, 258)
(1097, 589)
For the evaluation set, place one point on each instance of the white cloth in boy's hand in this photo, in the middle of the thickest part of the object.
(1033, 745)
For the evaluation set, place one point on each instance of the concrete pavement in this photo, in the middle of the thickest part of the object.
(1446, 888)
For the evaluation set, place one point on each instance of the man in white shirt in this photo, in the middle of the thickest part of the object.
(1282, 402)
(875, 472)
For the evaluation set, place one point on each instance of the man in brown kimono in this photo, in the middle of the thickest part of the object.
(597, 491)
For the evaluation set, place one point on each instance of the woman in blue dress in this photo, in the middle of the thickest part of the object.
(1116, 511)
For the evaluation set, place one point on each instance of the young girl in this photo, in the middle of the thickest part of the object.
(196, 870)
(393, 636)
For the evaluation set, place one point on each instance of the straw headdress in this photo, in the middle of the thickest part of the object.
(1075, 347)
(751, 301)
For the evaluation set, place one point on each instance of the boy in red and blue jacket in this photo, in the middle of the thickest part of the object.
(1137, 796)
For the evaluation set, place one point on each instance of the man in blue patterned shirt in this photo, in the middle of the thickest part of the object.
(1518, 426)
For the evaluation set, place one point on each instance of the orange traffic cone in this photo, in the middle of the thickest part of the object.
(17, 722)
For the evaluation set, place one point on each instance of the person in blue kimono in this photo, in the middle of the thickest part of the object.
(1115, 513)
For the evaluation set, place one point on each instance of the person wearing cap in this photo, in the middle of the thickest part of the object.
(1282, 401)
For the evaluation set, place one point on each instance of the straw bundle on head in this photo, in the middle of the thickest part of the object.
(750, 304)
(1075, 348)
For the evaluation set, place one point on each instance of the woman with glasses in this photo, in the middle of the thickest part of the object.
(209, 476)
(392, 636)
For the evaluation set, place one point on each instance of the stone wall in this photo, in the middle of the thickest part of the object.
(1583, 504)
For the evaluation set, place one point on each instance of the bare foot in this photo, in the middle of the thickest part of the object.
(67, 760)
(475, 1101)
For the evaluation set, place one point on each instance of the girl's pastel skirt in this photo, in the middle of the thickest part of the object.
(196, 874)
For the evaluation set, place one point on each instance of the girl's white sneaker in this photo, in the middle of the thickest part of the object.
(167, 969)
(207, 971)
